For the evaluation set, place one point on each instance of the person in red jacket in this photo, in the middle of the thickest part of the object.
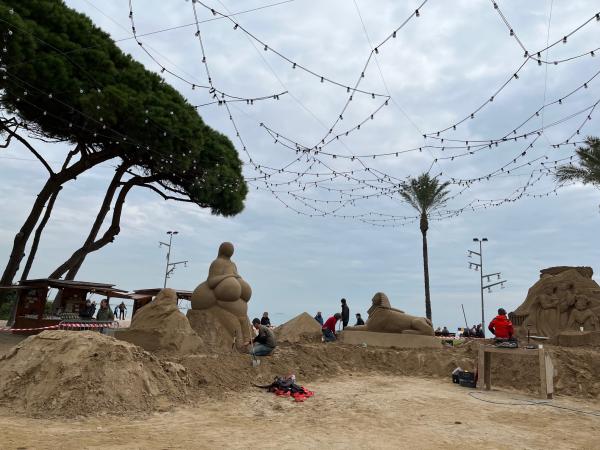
(501, 326)
(329, 328)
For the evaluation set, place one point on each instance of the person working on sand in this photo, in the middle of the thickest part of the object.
(501, 326)
(89, 310)
(265, 320)
(329, 328)
(445, 332)
(264, 342)
(359, 320)
(345, 313)
(319, 318)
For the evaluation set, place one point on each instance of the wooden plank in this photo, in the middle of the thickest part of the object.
(514, 351)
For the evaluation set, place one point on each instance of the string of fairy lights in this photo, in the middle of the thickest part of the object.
(310, 172)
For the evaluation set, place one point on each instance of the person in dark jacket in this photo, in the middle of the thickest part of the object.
(104, 313)
(359, 320)
(319, 318)
(265, 320)
(345, 313)
(264, 343)
(501, 326)
(89, 310)
(329, 328)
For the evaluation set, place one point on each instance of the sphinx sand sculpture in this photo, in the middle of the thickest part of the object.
(564, 299)
(385, 319)
(219, 311)
(159, 326)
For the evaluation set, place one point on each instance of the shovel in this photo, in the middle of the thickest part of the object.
(253, 358)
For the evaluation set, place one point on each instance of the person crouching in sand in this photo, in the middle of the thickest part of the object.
(329, 328)
(264, 343)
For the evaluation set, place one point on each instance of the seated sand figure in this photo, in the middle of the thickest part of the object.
(385, 319)
(581, 316)
(225, 294)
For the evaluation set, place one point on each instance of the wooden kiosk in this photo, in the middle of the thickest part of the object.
(142, 297)
(32, 296)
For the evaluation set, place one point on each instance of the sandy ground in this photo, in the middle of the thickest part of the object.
(351, 412)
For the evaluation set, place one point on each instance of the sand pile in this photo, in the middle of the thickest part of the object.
(66, 373)
(302, 328)
(161, 327)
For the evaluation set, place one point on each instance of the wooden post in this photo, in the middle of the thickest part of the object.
(488, 371)
(549, 377)
(481, 368)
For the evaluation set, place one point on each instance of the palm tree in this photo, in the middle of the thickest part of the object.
(425, 194)
(588, 171)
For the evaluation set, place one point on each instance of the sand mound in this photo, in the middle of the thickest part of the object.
(66, 373)
(302, 328)
(161, 327)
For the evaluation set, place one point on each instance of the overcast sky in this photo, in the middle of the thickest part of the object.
(440, 67)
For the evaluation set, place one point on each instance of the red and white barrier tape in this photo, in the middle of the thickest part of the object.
(63, 325)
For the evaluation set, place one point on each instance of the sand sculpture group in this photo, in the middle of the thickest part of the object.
(219, 320)
(563, 300)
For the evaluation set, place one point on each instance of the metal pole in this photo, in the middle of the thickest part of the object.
(481, 279)
(464, 315)
(168, 259)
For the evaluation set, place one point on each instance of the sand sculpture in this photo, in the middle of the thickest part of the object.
(160, 326)
(219, 311)
(302, 328)
(385, 319)
(563, 299)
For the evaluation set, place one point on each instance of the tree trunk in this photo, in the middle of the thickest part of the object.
(38, 234)
(52, 184)
(424, 225)
(74, 262)
(104, 209)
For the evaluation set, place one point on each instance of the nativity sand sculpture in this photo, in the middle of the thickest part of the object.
(385, 319)
(564, 299)
(219, 311)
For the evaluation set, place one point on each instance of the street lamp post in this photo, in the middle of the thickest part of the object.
(170, 267)
(479, 267)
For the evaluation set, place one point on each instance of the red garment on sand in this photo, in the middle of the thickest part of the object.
(330, 324)
(501, 327)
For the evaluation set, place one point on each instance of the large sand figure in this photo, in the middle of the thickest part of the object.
(563, 299)
(220, 304)
(385, 319)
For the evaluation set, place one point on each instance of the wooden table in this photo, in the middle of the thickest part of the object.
(484, 367)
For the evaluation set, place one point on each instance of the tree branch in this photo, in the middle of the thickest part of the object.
(28, 145)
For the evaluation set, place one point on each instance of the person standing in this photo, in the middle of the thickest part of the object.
(89, 310)
(105, 314)
(319, 318)
(264, 343)
(122, 309)
(328, 328)
(345, 313)
(359, 320)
